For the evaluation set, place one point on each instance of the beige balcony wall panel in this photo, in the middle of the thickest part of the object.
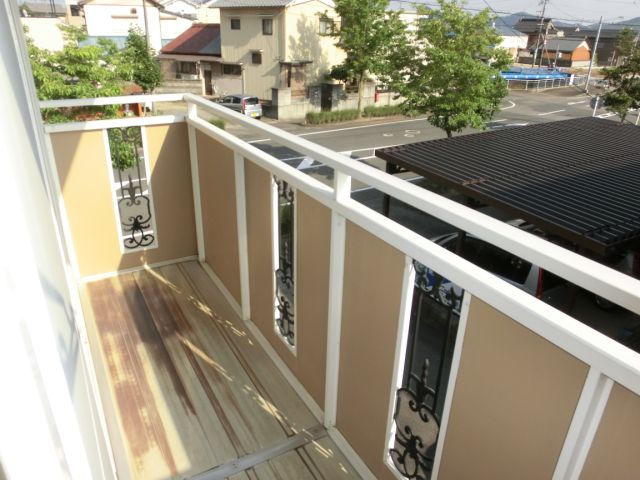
(616, 445)
(313, 237)
(85, 181)
(313, 233)
(514, 399)
(219, 220)
(370, 315)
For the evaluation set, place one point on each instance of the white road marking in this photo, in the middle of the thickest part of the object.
(576, 103)
(550, 113)
(305, 163)
(517, 125)
(409, 135)
(416, 132)
(513, 104)
(387, 134)
(606, 115)
(496, 121)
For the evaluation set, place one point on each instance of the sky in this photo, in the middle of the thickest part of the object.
(582, 11)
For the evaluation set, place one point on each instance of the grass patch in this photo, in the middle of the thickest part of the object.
(216, 122)
(383, 111)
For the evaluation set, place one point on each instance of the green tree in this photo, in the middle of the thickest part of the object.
(451, 69)
(626, 43)
(137, 62)
(74, 72)
(367, 34)
(624, 83)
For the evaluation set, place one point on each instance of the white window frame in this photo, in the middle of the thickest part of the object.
(402, 338)
(115, 185)
(275, 241)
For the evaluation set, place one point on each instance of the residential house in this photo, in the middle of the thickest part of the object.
(195, 56)
(535, 28)
(112, 19)
(606, 50)
(184, 8)
(512, 40)
(279, 48)
(45, 32)
(213, 307)
(563, 52)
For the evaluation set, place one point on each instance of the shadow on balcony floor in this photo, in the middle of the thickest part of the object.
(189, 387)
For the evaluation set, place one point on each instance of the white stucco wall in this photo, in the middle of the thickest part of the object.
(45, 32)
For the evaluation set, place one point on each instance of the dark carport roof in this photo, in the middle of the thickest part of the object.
(578, 179)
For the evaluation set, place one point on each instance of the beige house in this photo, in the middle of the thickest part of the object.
(279, 47)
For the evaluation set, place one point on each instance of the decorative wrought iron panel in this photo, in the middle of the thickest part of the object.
(284, 274)
(132, 187)
(435, 315)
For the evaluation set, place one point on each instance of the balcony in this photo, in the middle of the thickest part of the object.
(244, 318)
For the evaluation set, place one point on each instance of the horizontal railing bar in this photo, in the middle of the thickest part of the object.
(113, 123)
(98, 101)
(613, 359)
(591, 275)
(297, 179)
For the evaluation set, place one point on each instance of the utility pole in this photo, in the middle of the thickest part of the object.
(146, 22)
(544, 46)
(535, 53)
(593, 55)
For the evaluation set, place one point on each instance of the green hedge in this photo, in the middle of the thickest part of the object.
(318, 118)
(384, 111)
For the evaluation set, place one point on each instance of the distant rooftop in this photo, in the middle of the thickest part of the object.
(577, 179)
(563, 44)
(257, 3)
(199, 39)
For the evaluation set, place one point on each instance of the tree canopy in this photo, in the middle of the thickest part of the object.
(626, 43)
(450, 68)
(367, 34)
(624, 84)
(87, 71)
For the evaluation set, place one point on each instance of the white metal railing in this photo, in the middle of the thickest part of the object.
(608, 360)
(546, 83)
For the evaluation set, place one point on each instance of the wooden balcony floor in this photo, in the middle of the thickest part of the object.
(189, 387)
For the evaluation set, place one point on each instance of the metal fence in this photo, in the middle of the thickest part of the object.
(544, 84)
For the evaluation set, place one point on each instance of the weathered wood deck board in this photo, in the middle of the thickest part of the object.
(190, 386)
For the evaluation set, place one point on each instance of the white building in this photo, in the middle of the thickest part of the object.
(112, 19)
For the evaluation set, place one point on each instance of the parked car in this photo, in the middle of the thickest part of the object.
(245, 104)
(511, 268)
(523, 274)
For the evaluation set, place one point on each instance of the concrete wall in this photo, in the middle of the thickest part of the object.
(208, 15)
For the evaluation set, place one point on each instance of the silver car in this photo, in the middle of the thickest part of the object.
(245, 104)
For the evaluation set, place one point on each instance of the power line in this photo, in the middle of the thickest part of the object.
(427, 3)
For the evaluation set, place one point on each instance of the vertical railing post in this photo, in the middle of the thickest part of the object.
(243, 243)
(342, 193)
(584, 425)
(192, 113)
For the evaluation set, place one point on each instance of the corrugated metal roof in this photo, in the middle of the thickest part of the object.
(199, 39)
(578, 179)
(564, 44)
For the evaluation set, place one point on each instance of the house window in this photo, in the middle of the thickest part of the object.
(132, 188)
(284, 256)
(235, 24)
(256, 58)
(133, 11)
(231, 69)
(267, 26)
(327, 26)
(419, 402)
(188, 68)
